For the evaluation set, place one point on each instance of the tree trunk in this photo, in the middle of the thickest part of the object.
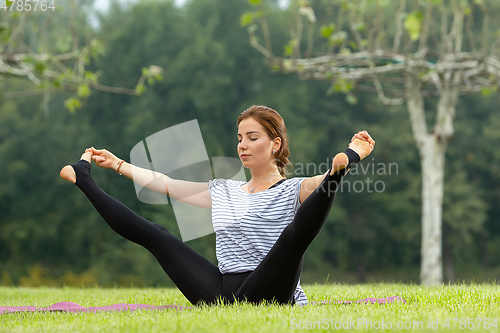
(432, 160)
(432, 149)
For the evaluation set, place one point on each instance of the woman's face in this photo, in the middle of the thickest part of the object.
(255, 147)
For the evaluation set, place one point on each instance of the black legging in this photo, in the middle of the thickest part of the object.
(274, 279)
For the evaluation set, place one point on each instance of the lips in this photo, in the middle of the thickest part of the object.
(244, 156)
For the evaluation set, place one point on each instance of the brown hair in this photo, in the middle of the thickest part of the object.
(275, 127)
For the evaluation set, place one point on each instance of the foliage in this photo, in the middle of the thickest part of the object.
(211, 73)
(45, 48)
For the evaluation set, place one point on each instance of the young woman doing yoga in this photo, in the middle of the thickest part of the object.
(263, 227)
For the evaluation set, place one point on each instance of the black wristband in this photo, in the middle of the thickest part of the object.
(353, 156)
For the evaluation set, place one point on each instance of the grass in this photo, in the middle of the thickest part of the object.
(424, 304)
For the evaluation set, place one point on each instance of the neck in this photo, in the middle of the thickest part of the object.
(261, 174)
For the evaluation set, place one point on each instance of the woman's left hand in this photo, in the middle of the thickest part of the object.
(362, 143)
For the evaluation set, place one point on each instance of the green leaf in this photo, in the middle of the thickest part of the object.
(343, 85)
(258, 14)
(413, 24)
(338, 38)
(83, 91)
(254, 2)
(327, 30)
(487, 91)
(290, 47)
(72, 104)
(359, 26)
(97, 47)
(351, 99)
(5, 38)
(345, 51)
(346, 5)
(246, 19)
(56, 83)
(287, 64)
(140, 88)
(40, 67)
(4, 26)
(91, 76)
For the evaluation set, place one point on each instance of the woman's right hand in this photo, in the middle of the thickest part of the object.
(105, 159)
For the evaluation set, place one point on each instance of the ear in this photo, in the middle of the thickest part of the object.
(277, 143)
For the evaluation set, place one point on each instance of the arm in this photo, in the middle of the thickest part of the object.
(192, 193)
(362, 143)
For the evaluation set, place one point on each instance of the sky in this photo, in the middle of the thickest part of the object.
(103, 5)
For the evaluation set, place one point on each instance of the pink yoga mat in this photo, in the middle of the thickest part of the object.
(73, 307)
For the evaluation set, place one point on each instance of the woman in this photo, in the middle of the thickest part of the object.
(262, 227)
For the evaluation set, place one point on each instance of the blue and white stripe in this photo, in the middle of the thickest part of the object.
(247, 225)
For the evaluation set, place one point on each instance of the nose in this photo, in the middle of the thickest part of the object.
(242, 145)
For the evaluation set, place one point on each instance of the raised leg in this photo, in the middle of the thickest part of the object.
(197, 278)
(277, 275)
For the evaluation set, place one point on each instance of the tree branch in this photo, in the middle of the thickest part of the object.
(267, 36)
(256, 45)
(470, 35)
(381, 95)
(17, 31)
(415, 102)
(399, 26)
(486, 23)
(27, 93)
(115, 90)
(425, 31)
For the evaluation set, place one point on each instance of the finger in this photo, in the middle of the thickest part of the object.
(364, 134)
(97, 151)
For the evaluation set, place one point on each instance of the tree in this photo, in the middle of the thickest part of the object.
(43, 45)
(406, 55)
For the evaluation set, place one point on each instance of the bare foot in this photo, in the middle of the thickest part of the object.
(68, 172)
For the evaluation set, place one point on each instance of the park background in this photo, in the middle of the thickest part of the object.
(51, 235)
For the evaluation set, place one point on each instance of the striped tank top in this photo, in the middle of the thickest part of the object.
(247, 225)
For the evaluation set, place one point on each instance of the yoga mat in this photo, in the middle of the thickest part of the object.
(73, 307)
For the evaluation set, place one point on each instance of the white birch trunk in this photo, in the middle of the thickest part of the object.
(432, 160)
(432, 149)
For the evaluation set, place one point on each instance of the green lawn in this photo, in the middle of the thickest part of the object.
(424, 305)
